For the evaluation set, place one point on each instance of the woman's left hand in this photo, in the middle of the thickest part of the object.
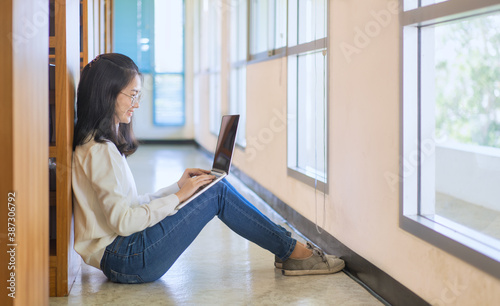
(190, 172)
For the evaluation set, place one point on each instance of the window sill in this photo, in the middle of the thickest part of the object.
(267, 56)
(454, 239)
(308, 180)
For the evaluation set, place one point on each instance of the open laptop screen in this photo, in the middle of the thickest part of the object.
(225, 143)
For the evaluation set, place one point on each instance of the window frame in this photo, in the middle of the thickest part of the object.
(304, 48)
(237, 64)
(440, 232)
(182, 74)
(271, 53)
(145, 59)
(214, 67)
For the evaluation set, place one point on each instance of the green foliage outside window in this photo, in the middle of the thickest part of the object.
(467, 67)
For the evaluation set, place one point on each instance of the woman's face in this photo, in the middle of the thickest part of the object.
(123, 107)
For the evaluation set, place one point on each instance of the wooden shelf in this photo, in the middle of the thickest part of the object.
(52, 258)
(52, 198)
(64, 45)
(52, 42)
(66, 25)
(52, 151)
(53, 252)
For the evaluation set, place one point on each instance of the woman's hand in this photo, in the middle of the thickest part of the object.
(192, 184)
(189, 173)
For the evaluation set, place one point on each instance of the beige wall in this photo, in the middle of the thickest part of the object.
(362, 208)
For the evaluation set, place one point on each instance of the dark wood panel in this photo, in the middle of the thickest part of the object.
(67, 61)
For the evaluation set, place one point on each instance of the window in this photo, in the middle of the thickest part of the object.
(157, 47)
(214, 66)
(207, 60)
(267, 28)
(451, 128)
(307, 91)
(168, 62)
(200, 56)
(237, 82)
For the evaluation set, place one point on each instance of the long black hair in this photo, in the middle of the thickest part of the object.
(100, 83)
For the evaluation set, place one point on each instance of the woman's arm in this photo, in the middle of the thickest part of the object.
(116, 192)
(163, 192)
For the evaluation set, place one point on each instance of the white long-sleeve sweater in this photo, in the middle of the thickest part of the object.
(106, 202)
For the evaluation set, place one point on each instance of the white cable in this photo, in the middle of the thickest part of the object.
(324, 129)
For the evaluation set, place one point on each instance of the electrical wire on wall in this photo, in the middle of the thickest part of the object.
(324, 53)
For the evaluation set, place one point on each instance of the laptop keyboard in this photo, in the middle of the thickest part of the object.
(217, 175)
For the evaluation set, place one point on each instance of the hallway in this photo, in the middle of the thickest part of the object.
(219, 268)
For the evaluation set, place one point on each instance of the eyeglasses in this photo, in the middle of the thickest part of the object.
(134, 99)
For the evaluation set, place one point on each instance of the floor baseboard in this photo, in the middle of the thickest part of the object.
(388, 290)
(168, 142)
(380, 284)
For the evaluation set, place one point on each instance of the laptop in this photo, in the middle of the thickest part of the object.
(223, 154)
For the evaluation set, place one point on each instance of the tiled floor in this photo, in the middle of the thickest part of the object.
(220, 267)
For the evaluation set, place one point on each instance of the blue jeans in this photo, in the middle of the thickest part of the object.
(145, 256)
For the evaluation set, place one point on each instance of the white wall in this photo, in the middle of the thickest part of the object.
(362, 207)
(143, 119)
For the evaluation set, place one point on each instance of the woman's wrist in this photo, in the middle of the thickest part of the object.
(180, 196)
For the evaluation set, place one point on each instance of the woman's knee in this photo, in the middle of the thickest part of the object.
(219, 188)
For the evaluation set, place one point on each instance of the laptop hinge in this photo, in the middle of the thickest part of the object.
(218, 171)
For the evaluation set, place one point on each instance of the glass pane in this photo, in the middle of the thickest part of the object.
(237, 82)
(196, 36)
(259, 26)
(215, 37)
(292, 22)
(291, 120)
(169, 35)
(429, 2)
(169, 100)
(468, 81)
(466, 118)
(311, 114)
(234, 33)
(133, 25)
(413, 4)
(214, 103)
(215, 66)
(242, 30)
(238, 43)
(280, 24)
(312, 20)
(204, 36)
(145, 29)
